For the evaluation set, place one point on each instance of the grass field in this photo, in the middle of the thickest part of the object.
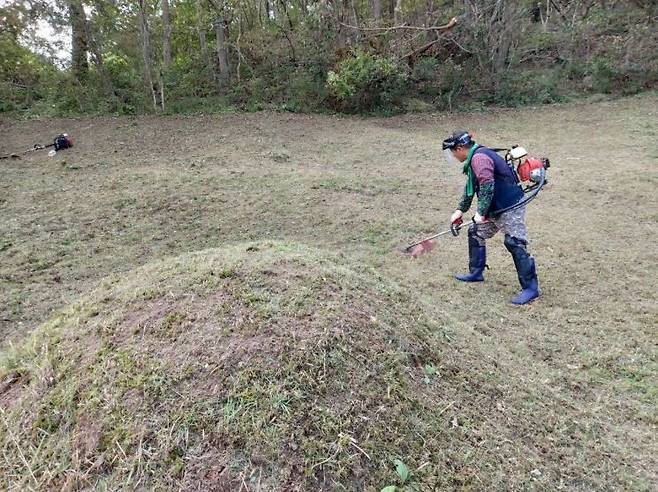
(559, 394)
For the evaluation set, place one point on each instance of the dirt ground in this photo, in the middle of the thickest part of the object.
(136, 189)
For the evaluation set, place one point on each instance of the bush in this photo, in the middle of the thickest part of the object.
(364, 82)
(189, 76)
(25, 77)
(306, 90)
(531, 87)
(604, 76)
(426, 69)
(451, 82)
(426, 76)
(258, 92)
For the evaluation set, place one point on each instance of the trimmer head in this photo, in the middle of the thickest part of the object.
(428, 244)
(415, 250)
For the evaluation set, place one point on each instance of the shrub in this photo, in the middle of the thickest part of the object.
(364, 82)
(25, 77)
(531, 87)
(426, 69)
(306, 89)
(451, 82)
(604, 76)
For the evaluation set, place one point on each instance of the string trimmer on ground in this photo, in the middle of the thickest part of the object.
(60, 142)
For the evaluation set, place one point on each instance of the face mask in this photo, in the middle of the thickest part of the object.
(450, 157)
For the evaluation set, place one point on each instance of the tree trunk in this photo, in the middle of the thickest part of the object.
(162, 92)
(202, 31)
(284, 7)
(146, 52)
(429, 10)
(354, 14)
(505, 26)
(79, 44)
(166, 36)
(222, 52)
(376, 6)
(166, 50)
(397, 12)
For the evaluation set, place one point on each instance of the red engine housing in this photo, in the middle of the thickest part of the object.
(525, 169)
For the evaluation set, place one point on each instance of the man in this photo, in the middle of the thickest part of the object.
(497, 187)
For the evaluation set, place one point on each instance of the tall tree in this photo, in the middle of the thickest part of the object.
(146, 51)
(397, 11)
(503, 33)
(97, 57)
(79, 42)
(376, 6)
(221, 34)
(201, 30)
(268, 10)
(166, 36)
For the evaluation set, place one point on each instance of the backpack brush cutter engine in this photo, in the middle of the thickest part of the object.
(531, 173)
(60, 142)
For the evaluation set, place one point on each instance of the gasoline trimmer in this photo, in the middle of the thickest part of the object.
(60, 142)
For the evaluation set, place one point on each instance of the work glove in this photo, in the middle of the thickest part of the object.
(479, 219)
(456, 217)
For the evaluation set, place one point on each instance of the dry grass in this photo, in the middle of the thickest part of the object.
(558, 394)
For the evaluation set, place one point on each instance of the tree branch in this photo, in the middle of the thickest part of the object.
(421, 50)
(445, 27)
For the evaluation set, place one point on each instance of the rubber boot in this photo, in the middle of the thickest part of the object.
(525, 269)
(477, 260)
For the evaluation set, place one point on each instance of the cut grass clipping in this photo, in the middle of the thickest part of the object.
(268, 365)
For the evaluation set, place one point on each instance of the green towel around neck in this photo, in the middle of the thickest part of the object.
(468, 171)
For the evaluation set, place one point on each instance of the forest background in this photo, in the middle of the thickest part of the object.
(354, 56)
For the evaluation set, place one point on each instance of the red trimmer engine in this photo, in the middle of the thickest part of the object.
(61, 142)
(532, 169)
(528, 169)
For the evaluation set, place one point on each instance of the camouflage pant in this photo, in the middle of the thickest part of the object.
(512, 223)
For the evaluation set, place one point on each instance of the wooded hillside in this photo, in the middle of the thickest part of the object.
(133, 56)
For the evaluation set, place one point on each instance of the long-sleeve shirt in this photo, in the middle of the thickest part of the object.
(483, 168)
